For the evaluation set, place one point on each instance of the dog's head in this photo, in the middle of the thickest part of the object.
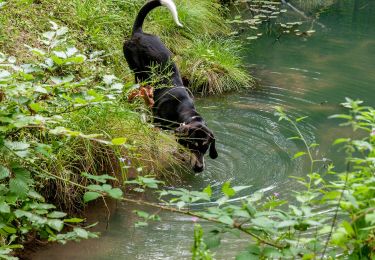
(198, 139)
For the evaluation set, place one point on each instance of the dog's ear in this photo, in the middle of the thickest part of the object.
(213, 153)
(182, 130)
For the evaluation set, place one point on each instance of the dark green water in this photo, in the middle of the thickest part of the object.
(306, 78)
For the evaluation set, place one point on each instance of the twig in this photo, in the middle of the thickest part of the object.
(108, 213)
(141, 202)
(192, 214)
(302, 13)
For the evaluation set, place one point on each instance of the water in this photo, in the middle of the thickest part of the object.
(304, 77)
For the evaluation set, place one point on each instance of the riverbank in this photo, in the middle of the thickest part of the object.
(64, 115)
(208, 58)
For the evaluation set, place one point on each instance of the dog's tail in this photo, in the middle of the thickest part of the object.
(149, 7)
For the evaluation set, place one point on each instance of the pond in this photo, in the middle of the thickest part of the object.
(308, 78)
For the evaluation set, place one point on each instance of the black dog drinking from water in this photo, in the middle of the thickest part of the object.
(173, 108)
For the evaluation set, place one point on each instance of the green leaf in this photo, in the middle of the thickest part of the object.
(36, 107)
(95, 187)
(17, 146)
(342, 116)
(99, 178)
(4, 172)
(226, 220)
(56, 224)
(247, 256)
(180, 204)
(142, 214)
(4, 207)
(18, 187)
(10, 230)
(212, 241)
(227, 190)
(301, 118)
(299, 154)
(263, 222)
(208, 190)
(339, 237)
(272, 253)
(56, 214)
(349, 229)
(81, 233)
(341, 140)
(295, 138)
(241, 213)
(370, 218)
(286, 223)
(23, 174)
(119, 141)
(90, 195)
(74, 220)
(77, 59)
(331, 195)
(115, 193)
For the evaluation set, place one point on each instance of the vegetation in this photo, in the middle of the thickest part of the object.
(59, 116)
(331, 217)
(105, 24)
(62, 108)
(68, 136)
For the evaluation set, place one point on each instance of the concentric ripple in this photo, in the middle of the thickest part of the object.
(254, 147)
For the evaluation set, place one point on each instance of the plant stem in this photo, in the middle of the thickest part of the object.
(337, 210)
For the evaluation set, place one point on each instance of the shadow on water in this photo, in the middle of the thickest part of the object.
(306, 78)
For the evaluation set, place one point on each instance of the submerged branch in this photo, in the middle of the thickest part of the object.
(302, 13)
(192, 214)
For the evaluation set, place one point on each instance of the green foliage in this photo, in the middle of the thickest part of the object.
(40, 102)
(144, 182)
(34, 97)
(200, 250)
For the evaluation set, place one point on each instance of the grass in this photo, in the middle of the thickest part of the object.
(105, 24)
(214, 67)
(149, 151)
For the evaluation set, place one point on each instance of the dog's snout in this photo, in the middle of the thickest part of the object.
(197, 162)
(198, 169)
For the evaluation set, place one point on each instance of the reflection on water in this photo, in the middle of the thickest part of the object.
(306, 78)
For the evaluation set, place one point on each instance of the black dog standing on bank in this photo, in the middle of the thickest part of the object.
(173, 107)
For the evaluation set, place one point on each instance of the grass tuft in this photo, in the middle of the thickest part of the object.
(214, 67)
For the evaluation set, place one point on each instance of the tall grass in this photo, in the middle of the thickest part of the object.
(214, 67)
(105, 24)
(150, 152)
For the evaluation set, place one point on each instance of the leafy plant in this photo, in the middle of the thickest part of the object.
(36, 101)
(331, 216)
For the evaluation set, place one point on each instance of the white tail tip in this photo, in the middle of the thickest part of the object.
(173, 9)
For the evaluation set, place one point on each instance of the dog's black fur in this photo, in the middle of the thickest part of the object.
(173, 108)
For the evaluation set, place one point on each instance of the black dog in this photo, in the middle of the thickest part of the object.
(173, 108)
